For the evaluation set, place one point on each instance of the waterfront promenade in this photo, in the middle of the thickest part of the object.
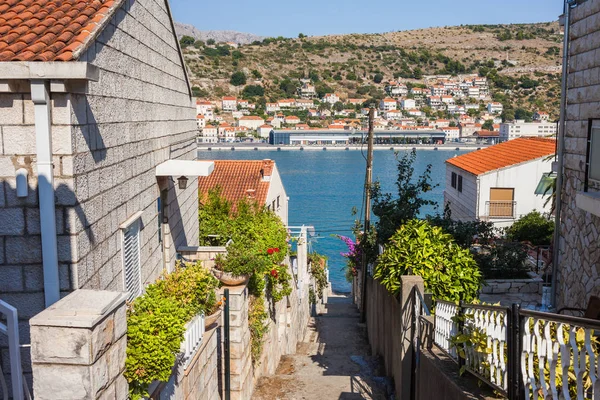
(265, 146)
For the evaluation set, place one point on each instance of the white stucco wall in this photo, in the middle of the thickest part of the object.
(463, 205)
(276, 189)
(524, 178)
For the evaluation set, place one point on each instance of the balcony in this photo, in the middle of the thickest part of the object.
(500, 209)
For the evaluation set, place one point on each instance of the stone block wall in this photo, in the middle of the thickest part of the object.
(579, 260)
(499, 286)
(78, 347)
(199, 380)
(106, 145)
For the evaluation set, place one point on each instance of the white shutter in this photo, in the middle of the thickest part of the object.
(131, 259)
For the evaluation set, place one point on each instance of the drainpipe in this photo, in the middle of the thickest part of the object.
(560, 150)
(43, 138)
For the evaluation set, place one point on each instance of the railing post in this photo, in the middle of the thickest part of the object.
(514, 353)
(226, 351)
(459, 329)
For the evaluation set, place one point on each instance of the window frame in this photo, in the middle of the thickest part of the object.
(134, 222)
(459, 183)
(592, 124)
(453, 179)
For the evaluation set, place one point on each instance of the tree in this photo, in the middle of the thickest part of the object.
(521, 113)
(238, 78)
(199, 92)
(322, 90)
(186, 41)
(198, 44)
(256, 74)
(253, 91)
(338, 106)
(449, 272)
(488, 125)
(236, 55)
(288, 87)
(417, 73)
(533, 227)
(301, 36)
(210, 42)
(508, 115)
(377, 78)
(393, 212)
(314, 76)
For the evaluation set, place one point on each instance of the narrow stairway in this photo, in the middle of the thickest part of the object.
(333, 362)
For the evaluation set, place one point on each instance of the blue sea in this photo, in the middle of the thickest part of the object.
(324, 187)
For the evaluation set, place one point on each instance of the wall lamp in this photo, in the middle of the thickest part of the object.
(182, 181)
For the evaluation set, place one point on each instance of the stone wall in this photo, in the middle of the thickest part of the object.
(106, 144)
(200, 379)
(500, 286)
(579, 260)
(78, 347)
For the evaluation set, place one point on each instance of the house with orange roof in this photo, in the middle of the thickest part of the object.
(204, 107)
(541, 116)
(210, 134)
(251, 122)
(497, 183)
(330, 98)
(98, 177)
(264, 130)
(255, 180)
(286, 103)
(201, 121)
(355, 102)
(304, 104)
(452, 133)
(388, 104)
(229, 103)
(292, 119)
(272, 108)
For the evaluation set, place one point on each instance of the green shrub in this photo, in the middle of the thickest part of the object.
(533, 227)
(449, 272)
(503, 261)
(156, 323)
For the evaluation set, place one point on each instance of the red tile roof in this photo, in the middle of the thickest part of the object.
(50, 30)
(239, 180)
(504, 155)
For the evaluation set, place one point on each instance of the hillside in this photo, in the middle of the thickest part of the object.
(522, 63)
(218, 36)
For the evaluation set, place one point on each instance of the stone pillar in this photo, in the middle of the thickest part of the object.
(407, 304)
(78, 347)
(239, 334)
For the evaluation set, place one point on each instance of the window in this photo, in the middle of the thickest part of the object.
(592, 165)
(453, 180)
(278, 202)
(130, 249)
(460, 183)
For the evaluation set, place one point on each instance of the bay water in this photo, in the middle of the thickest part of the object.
(324, 187)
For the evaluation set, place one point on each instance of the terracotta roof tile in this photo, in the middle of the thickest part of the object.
(49, 30)
(503, 155)
(239, 180)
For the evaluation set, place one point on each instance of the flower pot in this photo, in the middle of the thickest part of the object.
(229, 279)
(211, 320)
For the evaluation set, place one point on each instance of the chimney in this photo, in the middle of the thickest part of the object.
(267, 170)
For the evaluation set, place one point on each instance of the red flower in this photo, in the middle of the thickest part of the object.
(274, 273)
(270, 251)
(276, 250)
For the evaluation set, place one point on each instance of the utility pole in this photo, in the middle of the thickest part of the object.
(367, 224)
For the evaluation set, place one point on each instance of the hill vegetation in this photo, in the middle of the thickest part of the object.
(522, 63)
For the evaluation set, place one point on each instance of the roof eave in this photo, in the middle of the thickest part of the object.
(58, 70)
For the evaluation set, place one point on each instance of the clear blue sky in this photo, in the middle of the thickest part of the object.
(320, 17)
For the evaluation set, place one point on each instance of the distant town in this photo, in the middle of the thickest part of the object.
(442, 109)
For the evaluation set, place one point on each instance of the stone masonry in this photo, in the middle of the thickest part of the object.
(106, 145)
(78, 347)
(579, 260)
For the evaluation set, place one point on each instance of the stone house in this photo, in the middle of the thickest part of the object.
(98, 124)
(578, 269)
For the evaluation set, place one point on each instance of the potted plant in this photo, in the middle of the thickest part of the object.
(213, 314)
(234, 268)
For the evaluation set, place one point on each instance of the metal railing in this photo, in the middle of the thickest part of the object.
(11, 329)
(500, 209)
(522, 354)
(192, 339)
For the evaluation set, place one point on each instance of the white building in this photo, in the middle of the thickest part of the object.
(473, 92)
(541, 116)
(203, 107)
(242, 180)
(415, 113)
(495, 108)
(287, 103)
(292, 119)
(452, 133)
(520, 128)
(407, 104)
(498, 183)
(251, 122)
(388, 104)
(304, 104)
(307, 91)
(392, 115)
(438, 90)
(272, 107)
(229, 104)
(209, 134)
(434, 101)
(201, 121)
(330, 98)
(264, 131)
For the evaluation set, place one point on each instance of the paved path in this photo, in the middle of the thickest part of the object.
(332, 363)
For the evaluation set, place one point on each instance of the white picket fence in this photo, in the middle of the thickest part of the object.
(192, 339)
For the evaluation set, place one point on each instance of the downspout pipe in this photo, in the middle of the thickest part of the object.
(560, 152)
(40, 95)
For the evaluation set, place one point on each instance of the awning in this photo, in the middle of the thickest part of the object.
(185, 168)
